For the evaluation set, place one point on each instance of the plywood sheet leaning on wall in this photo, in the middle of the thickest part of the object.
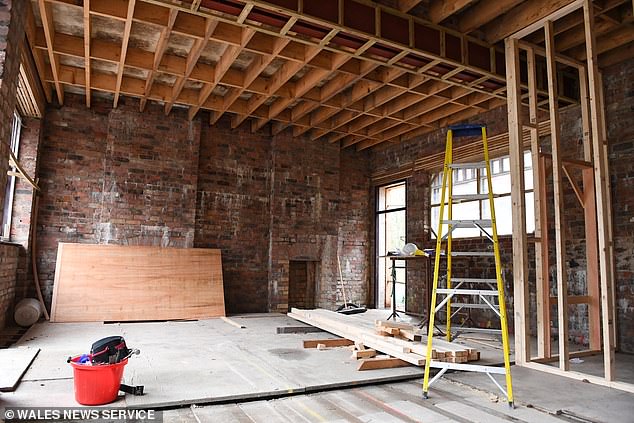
(95, 283)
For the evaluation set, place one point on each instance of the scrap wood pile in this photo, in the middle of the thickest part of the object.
(399, 342)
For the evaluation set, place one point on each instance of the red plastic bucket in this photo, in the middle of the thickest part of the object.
(98, 384)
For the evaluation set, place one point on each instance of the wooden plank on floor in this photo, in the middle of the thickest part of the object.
(14, 362)
(359, 354)
(96, 283)
(381, 363)
(328, 343)
(470, 413)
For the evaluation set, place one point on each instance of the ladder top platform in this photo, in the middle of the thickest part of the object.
(467, 130)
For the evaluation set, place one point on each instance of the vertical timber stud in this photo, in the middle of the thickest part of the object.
(600, 175)
(541, 272)
(560, 235)
(590, 219)
(520, 256)
(608, 198)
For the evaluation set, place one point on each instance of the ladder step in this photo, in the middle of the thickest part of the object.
(474, 280)
(458, 198)
(476, 330)
(467, 367)
(474, 165)
(472, 254)
(468, 223)
(467, 291)
(472, 305)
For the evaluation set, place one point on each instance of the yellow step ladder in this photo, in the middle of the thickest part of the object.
(489, 230)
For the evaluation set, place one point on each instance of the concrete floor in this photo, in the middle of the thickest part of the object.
(198, 362)
(254, 374)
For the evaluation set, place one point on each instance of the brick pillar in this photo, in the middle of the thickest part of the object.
(12, 14)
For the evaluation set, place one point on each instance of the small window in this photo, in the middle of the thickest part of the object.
(474, 182)
(10, 188)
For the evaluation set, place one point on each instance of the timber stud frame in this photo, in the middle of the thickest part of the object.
(594, 197)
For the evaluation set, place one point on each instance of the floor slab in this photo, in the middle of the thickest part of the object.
(200, 362)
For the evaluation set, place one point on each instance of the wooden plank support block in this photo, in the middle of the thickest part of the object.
(412, 336)
(359, 354)
(232, 322)
(330, 343)
(381, 363)
(386, 324)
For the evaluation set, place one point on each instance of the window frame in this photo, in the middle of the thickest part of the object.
(377, 214)
(479, 178)
(14, 146)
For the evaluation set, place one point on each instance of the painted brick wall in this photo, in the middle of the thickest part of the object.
(115, 176)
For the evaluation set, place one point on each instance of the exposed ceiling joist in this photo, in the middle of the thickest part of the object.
(124, 48)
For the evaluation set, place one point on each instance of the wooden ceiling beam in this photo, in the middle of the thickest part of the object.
(411, 46)
(46, 14)
(380, 77)
(439, 10)
(576, 36)
(358, 91)
(302, 86)
(87, 49)
(159, 52)
(141, 59)
(423, 113)
(484, 12)
(617, 55)
(281, 77)
(521, 17)
(124, 48)
(606, 42)
(407, 5)
(221, 68)
(192, 60)
(327, 92)
(31, 30)
(429, 90)
(256, 67)
(374, 102)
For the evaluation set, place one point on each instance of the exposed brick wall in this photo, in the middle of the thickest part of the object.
(115, 176)
(319, 210)
(619, 100)
(355, 227)
(118, 176)
(232, 211)
(8, 267)
(418, 216)
(12, 14)
(23, 204)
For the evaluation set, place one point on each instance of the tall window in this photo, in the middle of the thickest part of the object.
(10, 188)
(473, 181)
(391, 234)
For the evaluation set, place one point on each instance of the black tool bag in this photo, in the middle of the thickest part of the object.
(109, 350)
